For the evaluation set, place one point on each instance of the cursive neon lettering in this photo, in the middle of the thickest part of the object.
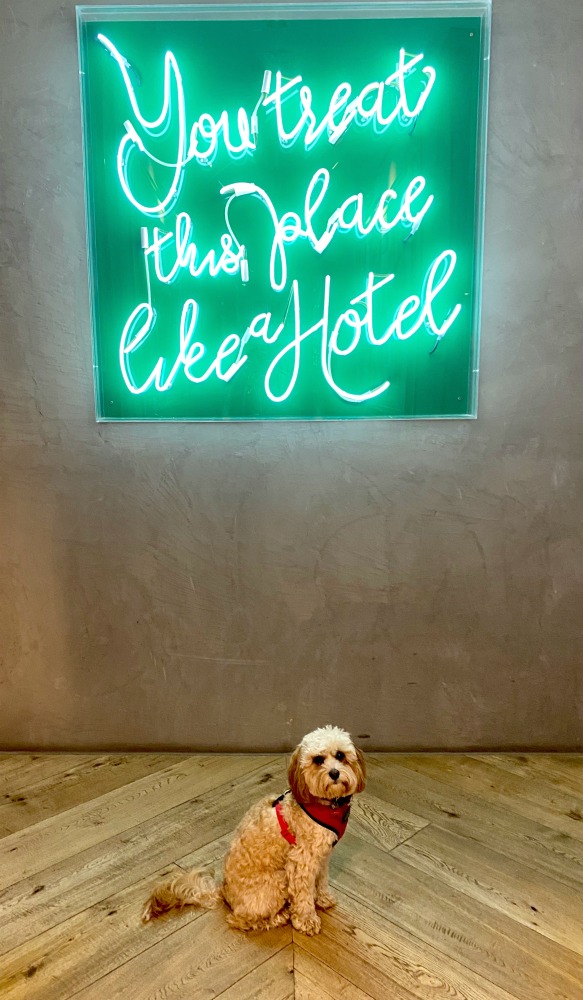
(344, 332)
(201, 142)
(186, 253)
(284, 369)
(349, 216)
(356, 109)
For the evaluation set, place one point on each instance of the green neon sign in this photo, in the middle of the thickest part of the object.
(285, 208)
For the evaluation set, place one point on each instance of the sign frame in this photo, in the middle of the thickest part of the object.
(419, 311)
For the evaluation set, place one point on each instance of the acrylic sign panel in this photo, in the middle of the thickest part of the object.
(284, 209)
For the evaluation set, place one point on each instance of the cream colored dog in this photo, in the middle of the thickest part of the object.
(276, 869)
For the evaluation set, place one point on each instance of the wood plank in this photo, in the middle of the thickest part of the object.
(529, 897)
(78, 829)
(381, 823)
(273, 980)
(533, 799)
(47, 897)
(314, 980)
(478, 937)
(86, 781)
(489, 823)
(19, 771)
(195, 962)
(57, 964)
(565, 771)
(306, 990)
(387, 963)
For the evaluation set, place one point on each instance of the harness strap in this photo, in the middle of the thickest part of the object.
(283, 826)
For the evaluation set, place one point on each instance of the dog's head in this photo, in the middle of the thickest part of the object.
(326, 765)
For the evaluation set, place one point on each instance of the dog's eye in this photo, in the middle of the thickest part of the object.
(340, 755)
(319, 760)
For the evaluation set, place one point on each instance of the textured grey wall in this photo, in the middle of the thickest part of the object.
(230, 586)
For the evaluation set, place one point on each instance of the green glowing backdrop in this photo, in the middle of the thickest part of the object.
(284, 210)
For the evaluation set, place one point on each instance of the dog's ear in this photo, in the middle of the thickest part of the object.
(295, 777)
(360, 770)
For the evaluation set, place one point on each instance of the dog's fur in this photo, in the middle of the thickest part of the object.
(267, 881)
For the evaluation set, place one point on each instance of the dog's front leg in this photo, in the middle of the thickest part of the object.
(302, 871)
(324, 898)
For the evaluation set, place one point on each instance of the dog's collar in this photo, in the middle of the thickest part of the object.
(344, 800)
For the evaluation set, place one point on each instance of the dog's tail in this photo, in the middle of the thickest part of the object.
(190, 889)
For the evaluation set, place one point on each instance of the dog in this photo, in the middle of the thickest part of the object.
(276, 869)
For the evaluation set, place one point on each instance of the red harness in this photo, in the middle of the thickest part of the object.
(285, 830)
(333, 817)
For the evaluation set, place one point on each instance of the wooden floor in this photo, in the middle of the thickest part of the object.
(459, 877)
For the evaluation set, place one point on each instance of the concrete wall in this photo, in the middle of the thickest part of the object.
(230, 586)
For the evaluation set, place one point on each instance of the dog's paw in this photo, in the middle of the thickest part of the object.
(325, 901)
(309, 925)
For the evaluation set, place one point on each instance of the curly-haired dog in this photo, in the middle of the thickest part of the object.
(276, 869)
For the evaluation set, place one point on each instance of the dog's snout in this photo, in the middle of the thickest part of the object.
(334, 774)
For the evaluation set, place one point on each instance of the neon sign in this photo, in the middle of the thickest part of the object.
(285, 209)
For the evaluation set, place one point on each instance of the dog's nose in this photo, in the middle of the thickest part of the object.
(334, 774)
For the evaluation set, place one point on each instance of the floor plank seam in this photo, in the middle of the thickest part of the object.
(299, 944)
(405, 841)
(480, 798)
(157, 873)
(126, 829)
(439, 947)
(132, 958)
(436, 946)
(466, 890)
(548, 872)
(259, 965)
(29, 791)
